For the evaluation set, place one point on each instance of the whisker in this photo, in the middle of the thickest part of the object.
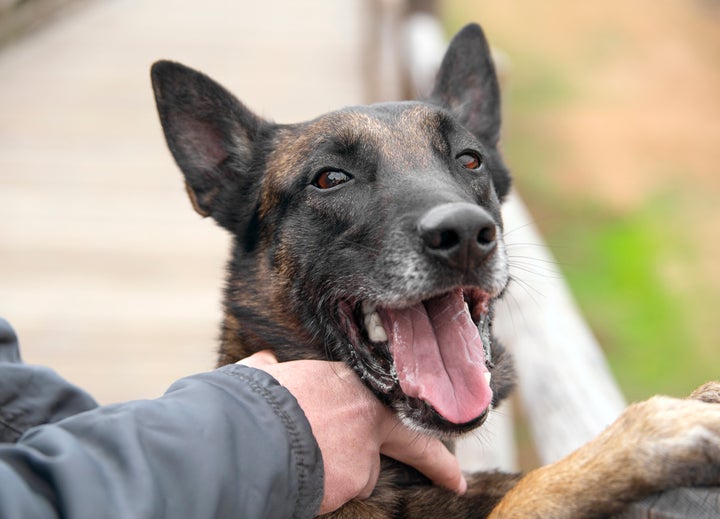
(531, 223)
(535, 258)
(538, 271)
(527, 287)
(517, 309)
(511, 245)
(548, 267)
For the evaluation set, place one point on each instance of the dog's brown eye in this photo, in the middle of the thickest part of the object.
(470, 160)
(330, 178)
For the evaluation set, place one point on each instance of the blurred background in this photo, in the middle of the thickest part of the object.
(613, 133)
(612, 130)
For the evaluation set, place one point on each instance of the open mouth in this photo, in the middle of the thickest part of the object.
(436, 350)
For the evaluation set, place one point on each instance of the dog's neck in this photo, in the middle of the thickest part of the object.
(238, 339)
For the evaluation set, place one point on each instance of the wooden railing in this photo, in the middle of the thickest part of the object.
(567, 392)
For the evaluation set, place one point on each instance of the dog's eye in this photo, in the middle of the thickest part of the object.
(330, 178)
(470, 160)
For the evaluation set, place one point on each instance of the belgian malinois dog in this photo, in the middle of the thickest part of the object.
(373, 235)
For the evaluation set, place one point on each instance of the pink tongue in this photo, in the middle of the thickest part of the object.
(439, 356)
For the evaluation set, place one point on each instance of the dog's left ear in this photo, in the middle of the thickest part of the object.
(467, 85)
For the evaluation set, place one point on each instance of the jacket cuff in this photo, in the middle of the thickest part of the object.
(307, 462)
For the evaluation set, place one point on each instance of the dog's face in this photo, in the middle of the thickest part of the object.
(370, 235)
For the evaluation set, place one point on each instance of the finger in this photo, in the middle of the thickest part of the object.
(341, 487)
(259, 359)
(426, 454)
(372, 480)
(709, 393)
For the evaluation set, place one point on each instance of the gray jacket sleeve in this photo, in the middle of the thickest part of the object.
(32, 395)
(229, 443)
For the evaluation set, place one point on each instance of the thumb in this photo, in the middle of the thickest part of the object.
(259, 360)
(426, 454)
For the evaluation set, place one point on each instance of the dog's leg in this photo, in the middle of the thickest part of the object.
(654, 445)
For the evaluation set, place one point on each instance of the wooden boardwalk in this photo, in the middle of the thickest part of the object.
(106, 272)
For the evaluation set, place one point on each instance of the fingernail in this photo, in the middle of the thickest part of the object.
(463, 486)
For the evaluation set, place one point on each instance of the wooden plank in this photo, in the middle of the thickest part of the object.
(678, 503)
(493, 446)
(106, 272)
(565, 384)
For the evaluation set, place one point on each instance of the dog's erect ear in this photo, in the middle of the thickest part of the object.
(467, 85)
(211, 135)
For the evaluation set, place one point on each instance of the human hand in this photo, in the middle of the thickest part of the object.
(353, 428)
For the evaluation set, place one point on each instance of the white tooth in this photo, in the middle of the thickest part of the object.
(378, 334)
(367, 308)
(487, 377)
(368, 320)
(374, 327)
(467, 307)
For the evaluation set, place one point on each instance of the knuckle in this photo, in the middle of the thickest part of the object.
(709, 393)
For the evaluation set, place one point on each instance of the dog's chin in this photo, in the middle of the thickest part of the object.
(420, 416)
(370, 354)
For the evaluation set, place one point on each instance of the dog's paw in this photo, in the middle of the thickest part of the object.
(672, 442)
(709, 393)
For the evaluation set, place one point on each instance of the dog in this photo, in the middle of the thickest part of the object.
(373, 235)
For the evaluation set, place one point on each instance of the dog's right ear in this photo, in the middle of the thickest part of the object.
(211, 135)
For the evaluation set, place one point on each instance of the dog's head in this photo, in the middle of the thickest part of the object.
(371, 235)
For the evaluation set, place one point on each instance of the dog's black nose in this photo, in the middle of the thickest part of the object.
(461, 234)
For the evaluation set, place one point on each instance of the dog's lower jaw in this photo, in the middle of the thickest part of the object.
(412, 418)
(376, 366)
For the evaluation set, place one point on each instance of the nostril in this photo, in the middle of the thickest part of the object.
(487, 235)
(443, 240)
(460, 234)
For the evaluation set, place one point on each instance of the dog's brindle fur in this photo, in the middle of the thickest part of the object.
(361, 206)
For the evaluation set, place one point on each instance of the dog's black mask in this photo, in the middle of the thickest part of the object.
(370, 235)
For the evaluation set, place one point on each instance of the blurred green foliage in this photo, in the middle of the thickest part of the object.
(623, 269)
(630, 270)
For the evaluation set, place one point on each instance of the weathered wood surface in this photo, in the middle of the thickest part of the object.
(678, 503)
(566, 387)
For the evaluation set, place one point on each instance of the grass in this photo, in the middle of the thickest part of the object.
(623, 270)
